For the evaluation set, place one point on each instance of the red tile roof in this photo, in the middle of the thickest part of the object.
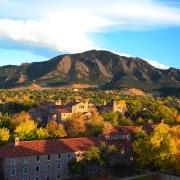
(67, 108)
(124, 130)
(63, 110)
(40, 147)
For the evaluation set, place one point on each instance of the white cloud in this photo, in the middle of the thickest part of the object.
(66, 31)
(157, 64)
(65, 25)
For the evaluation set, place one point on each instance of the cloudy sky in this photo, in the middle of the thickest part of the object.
(36, 30)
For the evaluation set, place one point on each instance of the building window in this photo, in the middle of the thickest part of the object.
(58, 176)
(13, 161)
(37, 158)
(78, 155)
(25, 178)
(95, 169)
(37, 168)
(126, 158)
(37, 178)
(81, 107)
(25, 170)
(47, 177)
(48, 157)
(26, 160)
(54, 116)
(48, 166)
(13, 171)
(68, 156)
(58, 166)
(59, 156)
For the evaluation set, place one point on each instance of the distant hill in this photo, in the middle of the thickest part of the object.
(95, 68)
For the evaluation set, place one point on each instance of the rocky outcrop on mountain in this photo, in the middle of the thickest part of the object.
(100, 68)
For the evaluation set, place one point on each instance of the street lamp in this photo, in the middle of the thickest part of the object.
(131, 159)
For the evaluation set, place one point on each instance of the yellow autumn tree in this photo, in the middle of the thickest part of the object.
(55, 130)
(122, 104)
(75, 126)
(178, 118)
(107, 127)
(163, 146)
(26, 130)
(18, 118)
(4, 135)
(96, 124)
(42, 133)
(175, 132)
(158, 148)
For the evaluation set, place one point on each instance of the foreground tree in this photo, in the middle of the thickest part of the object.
(77, 167)
(108, 154)
(93, 154)
(157, 149)
(175, 132)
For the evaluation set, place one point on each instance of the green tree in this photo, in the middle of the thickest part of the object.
(77, 167)
(111, 117)
(140, 121)
(108, 154)
(125, 121)
(93, 154)
(134, 107)
(167, 114)
(5, 121)
(141, 147)
(42, 133)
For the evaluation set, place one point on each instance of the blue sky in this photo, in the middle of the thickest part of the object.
(38, 30)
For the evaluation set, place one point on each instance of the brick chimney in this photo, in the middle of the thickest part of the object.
(14, 141)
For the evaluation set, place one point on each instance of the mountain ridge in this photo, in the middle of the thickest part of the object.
(95, 67)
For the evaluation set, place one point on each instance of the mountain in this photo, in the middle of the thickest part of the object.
(101, 68)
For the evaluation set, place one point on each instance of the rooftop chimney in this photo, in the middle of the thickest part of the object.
(14, 141)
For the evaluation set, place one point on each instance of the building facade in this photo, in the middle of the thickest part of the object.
(41, 159)
(114, 106)
(49, 159)
(58, 111)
